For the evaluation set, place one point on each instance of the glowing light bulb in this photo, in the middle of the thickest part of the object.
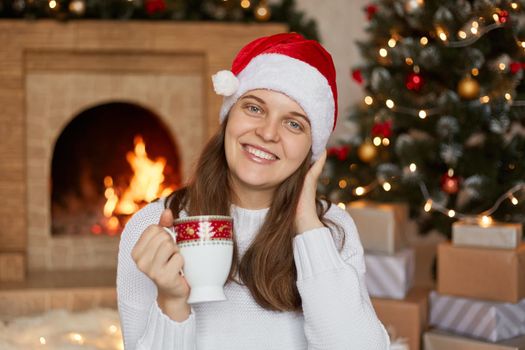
(387, 186)
(386, 142)
(422, 114)
(409, 61)
(451, 213)
(423, 41)
(360, 191)
(341, 205)
(508, 96)
(342, 183)
(389, 103)
(245, 4)
(392, 42)
(502, 66)
(484, 99)
(376, 141)
(428, 205)
(52, 4)
(42, 341)
(369, 100)
(462, 34)
(474, 72)
(485, 221)
(383, 52)
(514, 5)
(513, 200)
(450, 172)
(412, 167)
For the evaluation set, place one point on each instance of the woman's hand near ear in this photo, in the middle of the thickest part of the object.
(306, 216)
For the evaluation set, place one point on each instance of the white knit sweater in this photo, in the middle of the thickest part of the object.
(337, 313)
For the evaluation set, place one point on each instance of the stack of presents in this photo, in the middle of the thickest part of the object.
(478, 301)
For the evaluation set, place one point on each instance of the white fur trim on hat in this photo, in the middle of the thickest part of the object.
(299, 81)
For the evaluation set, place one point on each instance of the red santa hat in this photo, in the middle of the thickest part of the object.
(288, 63)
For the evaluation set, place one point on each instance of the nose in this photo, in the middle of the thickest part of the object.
(268, 130)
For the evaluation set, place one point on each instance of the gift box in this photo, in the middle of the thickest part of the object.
(482, 273)
(439, 340)
(380, 225)
(494, 235)
(405, 318)
(390, 276)
(487, 320)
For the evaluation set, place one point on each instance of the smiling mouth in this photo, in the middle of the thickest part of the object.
(258, 153)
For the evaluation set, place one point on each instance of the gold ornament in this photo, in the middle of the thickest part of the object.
(468, 88)
(262, 12)
(367, 151)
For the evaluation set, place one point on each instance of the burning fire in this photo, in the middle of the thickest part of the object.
(145, 186)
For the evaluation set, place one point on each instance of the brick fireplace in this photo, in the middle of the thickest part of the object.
(51, 71)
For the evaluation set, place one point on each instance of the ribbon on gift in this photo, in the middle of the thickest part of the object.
(486, 320)
(390, 276)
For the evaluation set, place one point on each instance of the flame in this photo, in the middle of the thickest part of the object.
(145, 186)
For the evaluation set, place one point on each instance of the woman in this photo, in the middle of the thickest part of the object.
(297, 279)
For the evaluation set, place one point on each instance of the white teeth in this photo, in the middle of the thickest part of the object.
(260, 153)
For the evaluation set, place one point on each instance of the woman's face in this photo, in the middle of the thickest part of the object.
(267, 138)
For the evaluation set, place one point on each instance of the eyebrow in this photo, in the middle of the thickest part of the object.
(260, 100)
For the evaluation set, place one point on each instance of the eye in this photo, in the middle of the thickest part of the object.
(253, 109)
(295, 125)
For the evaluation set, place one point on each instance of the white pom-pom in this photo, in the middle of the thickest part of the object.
(225, 83)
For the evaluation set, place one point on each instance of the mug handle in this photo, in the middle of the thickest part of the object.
(172, 233)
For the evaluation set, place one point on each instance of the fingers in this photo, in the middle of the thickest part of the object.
(317, 167)
(166, 218)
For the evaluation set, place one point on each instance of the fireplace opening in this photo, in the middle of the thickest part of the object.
(107, 163)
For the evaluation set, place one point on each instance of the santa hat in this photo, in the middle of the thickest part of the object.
(288, 63)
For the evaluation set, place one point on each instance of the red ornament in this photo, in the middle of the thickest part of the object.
(357, 76)
(382, 129)
(414, 81)
(371, 10)
(503, 16)
(515, 67)
(154, 6)
(450, 184)
(341, 152)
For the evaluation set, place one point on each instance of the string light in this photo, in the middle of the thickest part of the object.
(514, 5)
(502, 66)
(376, 141)
(52, 4)
(431, 205)
(485, 221)
(428, 205)
(42, 341)
(386, 186)
(342, 184)
(369, 100)
(423, 41)
(383, 52)
(485, 99)
(76, 338)
(386, 142)
(245, 4)
(341, 205)
(422, 114)
(474, 72)
(412, 167)
(389, 103)
(508, 96)
(392, 42)
(409, 61)
(462, 34)
(359, 191)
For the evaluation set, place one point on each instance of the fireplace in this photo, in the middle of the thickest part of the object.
(107, 163)
(76, 99)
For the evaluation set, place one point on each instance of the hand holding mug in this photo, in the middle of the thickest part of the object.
(158, 256)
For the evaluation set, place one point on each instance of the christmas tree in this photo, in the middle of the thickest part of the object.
(442, 125)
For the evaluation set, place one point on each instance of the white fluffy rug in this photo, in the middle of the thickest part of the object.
(96, 329)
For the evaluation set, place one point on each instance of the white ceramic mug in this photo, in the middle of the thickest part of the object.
(206, 244)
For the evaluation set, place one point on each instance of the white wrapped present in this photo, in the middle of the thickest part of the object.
(487, 320)
(390, 276)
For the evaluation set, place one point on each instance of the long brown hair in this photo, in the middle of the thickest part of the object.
(267, 268)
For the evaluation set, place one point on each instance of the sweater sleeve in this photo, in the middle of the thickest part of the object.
(337, 309)
(144, 325)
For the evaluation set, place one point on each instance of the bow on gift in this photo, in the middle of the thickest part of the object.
(382, 129)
